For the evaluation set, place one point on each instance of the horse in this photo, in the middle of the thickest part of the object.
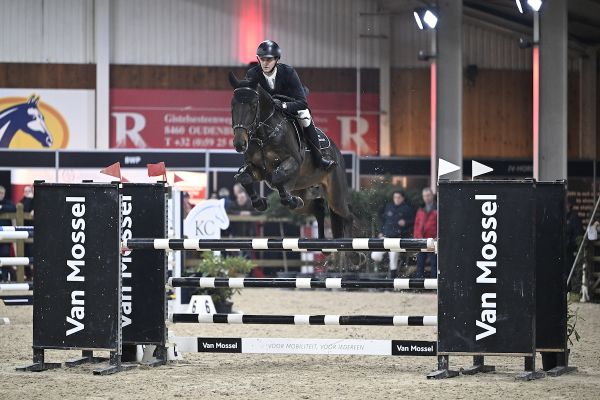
(275, 152)
(25, 117)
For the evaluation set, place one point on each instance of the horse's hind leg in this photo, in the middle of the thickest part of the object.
(337, 224)
(246, 179)
(318, 210)
(338, 198)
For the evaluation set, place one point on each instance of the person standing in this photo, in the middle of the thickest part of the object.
(426, 227)
(397, 222)
(27, 199)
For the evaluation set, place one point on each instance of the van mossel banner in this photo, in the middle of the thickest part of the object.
(191, 119)
(46, 119)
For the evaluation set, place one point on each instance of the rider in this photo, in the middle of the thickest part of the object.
(281, 79)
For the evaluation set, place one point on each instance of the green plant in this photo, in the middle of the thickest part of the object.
(219, 266)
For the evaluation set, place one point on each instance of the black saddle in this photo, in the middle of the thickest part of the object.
(324, 141)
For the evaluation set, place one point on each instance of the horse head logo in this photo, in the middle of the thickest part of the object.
(25, 117)
(206, 220)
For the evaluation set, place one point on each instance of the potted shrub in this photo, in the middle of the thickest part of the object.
(211, 265)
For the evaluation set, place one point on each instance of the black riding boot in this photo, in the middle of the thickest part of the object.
(312, 141)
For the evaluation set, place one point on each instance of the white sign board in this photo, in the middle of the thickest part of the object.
(206, 220)
(201, 305)
(47, 119)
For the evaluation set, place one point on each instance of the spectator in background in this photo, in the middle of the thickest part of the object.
(397, 222)
(187, 204)
(27, 199)
(224, 194)
(6, 206)
(242, 206)
(426, 227)
(237, 188)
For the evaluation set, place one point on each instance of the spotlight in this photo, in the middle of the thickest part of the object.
(425, 18)
(535, 5)
(519, 6)
(422, 56)
(525, 43)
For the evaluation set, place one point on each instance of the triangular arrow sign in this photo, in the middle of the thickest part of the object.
(445, 167)
(479, 169)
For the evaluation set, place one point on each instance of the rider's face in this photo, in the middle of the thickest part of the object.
(267, 64)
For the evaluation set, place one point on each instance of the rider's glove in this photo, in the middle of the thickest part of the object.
(279, 104)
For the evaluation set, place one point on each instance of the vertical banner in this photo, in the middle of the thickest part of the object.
(486, 281)
(47, 119)
(77, 267)
(552, 269)
(143, 211)
(191, 119)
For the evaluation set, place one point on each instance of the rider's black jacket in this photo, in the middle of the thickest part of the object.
(287, 83)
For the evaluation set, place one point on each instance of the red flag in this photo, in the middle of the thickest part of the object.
(113, 170)
(177, 178)
(124, 180)
(157, 169)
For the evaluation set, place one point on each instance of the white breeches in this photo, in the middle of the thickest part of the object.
(304, 118)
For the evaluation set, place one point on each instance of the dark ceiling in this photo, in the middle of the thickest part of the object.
(583, 22)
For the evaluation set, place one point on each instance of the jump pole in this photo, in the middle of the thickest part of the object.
(303, 283)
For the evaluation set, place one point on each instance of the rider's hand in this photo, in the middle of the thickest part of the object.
(278, 103)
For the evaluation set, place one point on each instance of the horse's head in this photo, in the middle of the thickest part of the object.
(32, 121)
(244, 111)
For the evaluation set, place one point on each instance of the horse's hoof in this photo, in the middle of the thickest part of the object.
(355, 259)
(260, 204)
(296, 202)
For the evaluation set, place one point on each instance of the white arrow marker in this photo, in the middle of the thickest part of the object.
(445, 167)
(479, 169)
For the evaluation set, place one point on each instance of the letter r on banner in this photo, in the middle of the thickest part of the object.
(133, 133)
(348, 136)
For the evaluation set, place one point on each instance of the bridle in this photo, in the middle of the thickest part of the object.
(253, 128)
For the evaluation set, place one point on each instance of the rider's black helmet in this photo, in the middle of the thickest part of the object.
(268, 48)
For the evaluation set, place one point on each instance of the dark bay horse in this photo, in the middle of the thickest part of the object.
(274, 152)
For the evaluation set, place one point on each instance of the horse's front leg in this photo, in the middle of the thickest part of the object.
(285, 171)
(246, 177)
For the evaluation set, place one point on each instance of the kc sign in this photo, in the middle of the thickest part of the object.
(206, 220)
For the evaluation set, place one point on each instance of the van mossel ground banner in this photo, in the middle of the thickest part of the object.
(49, 119)
(191, 119)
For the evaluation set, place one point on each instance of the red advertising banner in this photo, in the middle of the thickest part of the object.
(193, 119)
